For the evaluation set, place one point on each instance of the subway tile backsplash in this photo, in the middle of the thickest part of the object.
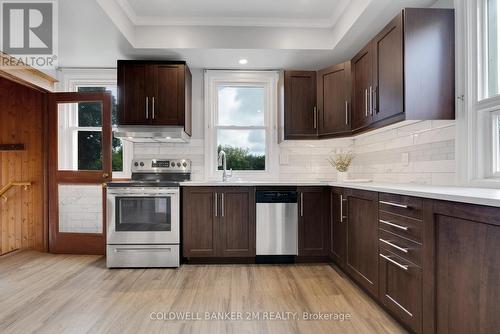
(421, 152)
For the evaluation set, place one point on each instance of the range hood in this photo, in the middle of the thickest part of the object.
(152, 134)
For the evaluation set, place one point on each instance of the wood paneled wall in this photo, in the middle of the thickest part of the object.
(22, 112)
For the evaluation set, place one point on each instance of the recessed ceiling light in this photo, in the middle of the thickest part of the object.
(243, 61)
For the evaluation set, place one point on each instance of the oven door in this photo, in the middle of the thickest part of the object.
(143, 216)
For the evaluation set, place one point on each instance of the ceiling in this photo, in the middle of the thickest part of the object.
(271, 34)
(255, 13)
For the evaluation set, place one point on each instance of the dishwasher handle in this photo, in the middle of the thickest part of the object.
(276, 197)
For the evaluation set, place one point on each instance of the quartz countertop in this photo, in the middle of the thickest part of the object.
(472, 195)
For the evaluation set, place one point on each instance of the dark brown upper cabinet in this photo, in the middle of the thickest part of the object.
(301, 114)
(334, 100)
(407, 71)
(154, 93)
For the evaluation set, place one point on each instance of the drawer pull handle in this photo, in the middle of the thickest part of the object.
(404, 228)
(399, 305)
(120, 250)
(393, 245)
(402, 266)
(394, 204)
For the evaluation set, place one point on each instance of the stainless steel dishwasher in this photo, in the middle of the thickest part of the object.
(277, 223)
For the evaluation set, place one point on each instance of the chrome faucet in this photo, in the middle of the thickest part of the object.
(222, 162)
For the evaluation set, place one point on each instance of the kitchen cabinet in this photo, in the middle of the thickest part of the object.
(301, 115)
(338, 227)
(362, 239)
(406, 72)
(334, 100)
(312, 208)
(154, 93)
(461, 268)
(218, 222)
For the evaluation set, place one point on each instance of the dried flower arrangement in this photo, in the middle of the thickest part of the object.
(341, 161)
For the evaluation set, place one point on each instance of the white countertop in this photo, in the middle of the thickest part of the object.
(481, 196)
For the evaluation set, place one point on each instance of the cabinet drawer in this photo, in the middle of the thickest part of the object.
(400, 225)
(405, 248)
(400, 289)
(401, 205)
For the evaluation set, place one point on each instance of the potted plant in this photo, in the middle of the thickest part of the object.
(341, 162)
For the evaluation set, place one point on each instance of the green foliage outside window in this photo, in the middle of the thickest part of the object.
(89, 142)
(238, 158)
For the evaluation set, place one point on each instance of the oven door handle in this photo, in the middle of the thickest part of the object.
(121, 250)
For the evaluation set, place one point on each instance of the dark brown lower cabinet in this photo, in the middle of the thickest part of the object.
(218, 222)
(400, 289)
(313, 210)
(362, 239)
(338, 227)
(463, 293)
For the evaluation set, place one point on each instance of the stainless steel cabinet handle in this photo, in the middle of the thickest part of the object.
(393, 245)
(346, 113)
(147, 107)
(215, 204)
(402, 266)
(371, 101)
(366, 102)
(315, 110)
(222, 205)
(394, 204)
(302, 204)
(341, 208)
(404, 228)
(121, 250)
(153, 107)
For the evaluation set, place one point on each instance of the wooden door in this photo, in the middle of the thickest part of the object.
(312, 228)
(79, 164)
(301, 117)
(361, 82)
(338, 226)
(362, 239)
(134, 102)
(388, 86)
(200, 211)
(167, 97)
(334, 99)
(237, 222)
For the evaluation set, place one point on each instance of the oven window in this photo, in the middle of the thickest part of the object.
(143, 214)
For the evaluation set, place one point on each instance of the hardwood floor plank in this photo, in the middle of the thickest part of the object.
(46, 293)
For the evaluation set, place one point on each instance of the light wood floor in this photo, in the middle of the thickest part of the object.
(45, 293)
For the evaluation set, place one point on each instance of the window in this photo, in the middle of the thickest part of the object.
(241, 110)
(491, 48)
(82, 141)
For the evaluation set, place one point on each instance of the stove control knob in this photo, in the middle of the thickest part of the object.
(142, 164)
(184, 164)
(172, 164)
(178, 164)
(136, 164)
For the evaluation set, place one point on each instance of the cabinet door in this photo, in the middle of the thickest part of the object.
(388, 84)
(338, 226)
(362, 239)
(168, 94)
(401, 289)
(361, 83)
(237, 222)
(312, 228)
(301, 118)
(334, 99)
(134, 105)
(199, 223)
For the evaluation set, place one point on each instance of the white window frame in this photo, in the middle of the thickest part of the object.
(69, 81)
(476, 140)
(267, 79)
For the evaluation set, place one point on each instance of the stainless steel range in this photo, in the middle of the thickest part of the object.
(143, 215)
